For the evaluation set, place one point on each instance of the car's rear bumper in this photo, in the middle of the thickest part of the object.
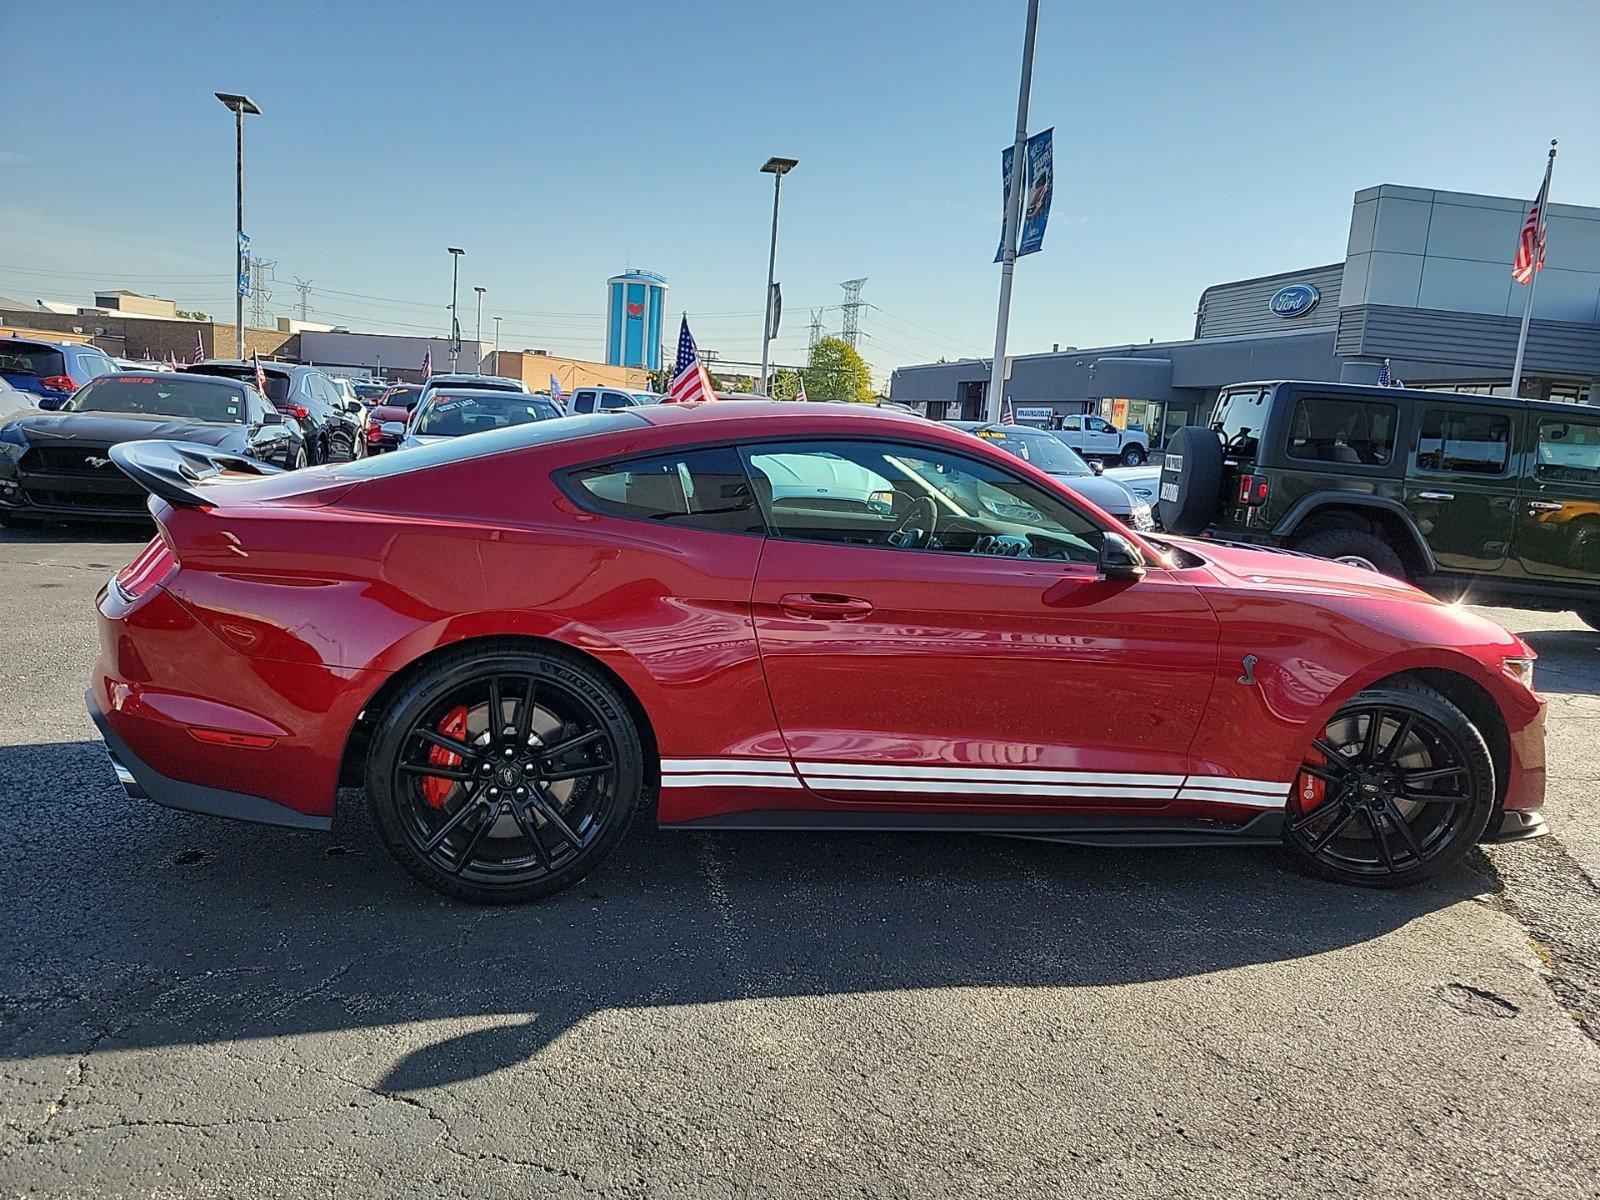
(144, 782)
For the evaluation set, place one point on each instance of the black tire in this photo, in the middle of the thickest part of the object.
(1133, 456)
(466, 828)
(1357, 547)
(1380, 821)
(1189, 495)
(1589, 616)
(298, 461)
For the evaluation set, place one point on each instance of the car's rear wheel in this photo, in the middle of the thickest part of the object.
(299, 461)
(503, 775)
(1398, 786)
(1356, 548)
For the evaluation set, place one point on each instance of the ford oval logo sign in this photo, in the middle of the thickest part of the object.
(1294, 300)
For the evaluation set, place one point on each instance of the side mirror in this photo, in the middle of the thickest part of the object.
(1120, 559)
(273, 417)
(1098, 467)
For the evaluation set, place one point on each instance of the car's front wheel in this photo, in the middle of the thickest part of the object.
(1398, 786)
(297, 460)
(1133, 456)
(504, 774)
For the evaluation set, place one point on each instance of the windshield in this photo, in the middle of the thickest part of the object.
(455, 414)
(161, 395)
(40, 361)
(1043, 450)
(1238, 418)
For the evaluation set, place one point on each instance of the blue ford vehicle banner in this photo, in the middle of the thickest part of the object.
(1038, 179)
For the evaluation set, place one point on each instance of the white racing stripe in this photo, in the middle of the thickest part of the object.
(969, 780)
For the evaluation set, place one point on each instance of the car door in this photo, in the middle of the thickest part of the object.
(1558, 509)
(1100, 436)
(916, 658)
(1460, 489)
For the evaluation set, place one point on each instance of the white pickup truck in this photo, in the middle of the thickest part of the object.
(1094, 437)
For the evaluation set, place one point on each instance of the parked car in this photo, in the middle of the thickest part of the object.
(14, 400)
(1046, 452)
(388, 414)
(371, 391)
(1094, 437)
(495, 383)
(524, 637)
(335, 431)
(1453, 492)
(57, 465)
(456, 412)
(598, 399)
(51, 370)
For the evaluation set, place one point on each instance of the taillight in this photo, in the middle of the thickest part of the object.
(155, 562)
(299, 412)
(1253, 490)
(373, 432)
(60, 383)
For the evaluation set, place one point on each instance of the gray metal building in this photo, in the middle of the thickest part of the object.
(1425, 284)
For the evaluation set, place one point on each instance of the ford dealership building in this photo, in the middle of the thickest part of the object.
(1425, 284)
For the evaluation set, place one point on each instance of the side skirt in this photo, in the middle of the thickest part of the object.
(1082, 830)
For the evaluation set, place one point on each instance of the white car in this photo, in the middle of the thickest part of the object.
(14, 400)
(452, 412)
(1095, 437)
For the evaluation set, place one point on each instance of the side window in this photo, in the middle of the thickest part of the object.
(1072, 423)
(610, 400)
(94, 364)
(1099, 426)
(694, 489)
(1568, 452)
(912, 498)
(583, 402)
(1354, 432)
(1462, 440)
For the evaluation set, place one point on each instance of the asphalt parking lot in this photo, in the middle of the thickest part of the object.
(190, 1007)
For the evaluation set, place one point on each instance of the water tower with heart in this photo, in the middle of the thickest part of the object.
(635, 308)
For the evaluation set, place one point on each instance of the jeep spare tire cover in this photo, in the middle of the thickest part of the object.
(1190, 493)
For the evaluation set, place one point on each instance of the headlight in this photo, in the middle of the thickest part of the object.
(1520, 669)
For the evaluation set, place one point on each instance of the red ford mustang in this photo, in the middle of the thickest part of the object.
(752, 615)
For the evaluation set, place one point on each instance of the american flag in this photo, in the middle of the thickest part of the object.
(801, 394)
(689, 378)
(261, 376)
(1530, 246)
(555, 388)
(1008, 415)
(427, 364)
(199, 348)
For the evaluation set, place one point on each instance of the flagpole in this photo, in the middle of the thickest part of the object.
(1008, 257)
(1533, 280)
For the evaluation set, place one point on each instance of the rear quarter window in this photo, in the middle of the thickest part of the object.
(694, 489)
(1350, 432)
(1464, 441)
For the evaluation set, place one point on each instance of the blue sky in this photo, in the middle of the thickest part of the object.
(559, 143)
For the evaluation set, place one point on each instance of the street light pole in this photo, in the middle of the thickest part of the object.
(240, 105)
(497, 345)
(777, 168)
(993, 404)
(478, 336)
(455, 325)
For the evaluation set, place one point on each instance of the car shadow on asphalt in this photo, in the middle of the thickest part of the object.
(134, 927)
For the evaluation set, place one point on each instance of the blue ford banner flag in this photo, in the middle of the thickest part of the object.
(244, 264)
(1038, 178)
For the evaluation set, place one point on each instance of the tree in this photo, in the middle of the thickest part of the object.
(192, 314)
(785, 383)
(835, 371)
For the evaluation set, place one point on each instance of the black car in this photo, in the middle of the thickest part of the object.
(334, 427)
(56, 465)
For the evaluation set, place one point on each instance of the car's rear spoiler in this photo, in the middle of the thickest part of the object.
(173, 470)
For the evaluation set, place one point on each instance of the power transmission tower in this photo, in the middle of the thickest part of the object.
(853, 304)
(260, 293)
(816, 327)
(303, 286)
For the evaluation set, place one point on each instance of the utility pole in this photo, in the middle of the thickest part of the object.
(816, 328)
(1008, 248)
(240, 106)
(853, 304)
(303, 286)
(1533, 278)
(478, 336)
(777, 168)
(260, 293)
(497, 345)
(455, 324)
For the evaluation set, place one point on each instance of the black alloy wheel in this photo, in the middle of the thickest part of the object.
(1396, 787)
(298, 462)
(504, 776)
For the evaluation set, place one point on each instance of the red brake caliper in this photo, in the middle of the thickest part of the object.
(434, 789)
(1310, 791)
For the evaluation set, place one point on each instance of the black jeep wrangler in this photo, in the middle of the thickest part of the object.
(1453, 492)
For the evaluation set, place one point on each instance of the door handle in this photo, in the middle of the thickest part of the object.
(822, 605)
(1543, 506)
(1436, 495)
